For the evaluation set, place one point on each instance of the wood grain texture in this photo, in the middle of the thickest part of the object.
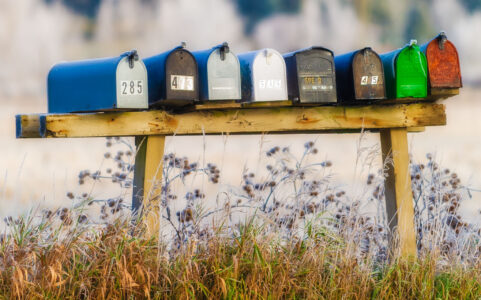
(152, 178)
(28, 126)
(237, 121)
(398, 192)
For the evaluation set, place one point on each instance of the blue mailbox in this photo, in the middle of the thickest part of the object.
(173, 78)
(98, 85)
(219, 73)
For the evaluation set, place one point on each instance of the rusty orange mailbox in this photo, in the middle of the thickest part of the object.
(442, 57)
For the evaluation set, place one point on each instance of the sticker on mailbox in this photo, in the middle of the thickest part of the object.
(270, 84)
(365, 80)
(316, 84)
(132, 87)
(182, 83)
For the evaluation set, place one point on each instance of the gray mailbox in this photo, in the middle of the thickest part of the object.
(263, 76)
(219, 73)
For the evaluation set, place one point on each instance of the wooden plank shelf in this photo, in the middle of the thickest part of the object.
(435, 95)
(232, 121)
(392, 120)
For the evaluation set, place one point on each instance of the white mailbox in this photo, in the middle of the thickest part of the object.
(263, 76)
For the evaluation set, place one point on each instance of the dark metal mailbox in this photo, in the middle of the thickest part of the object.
(405, 72)
(360, 76)
(219, 74)
(98, 85)
(311, 75)
(263, 75)
(443, 63)
(173, 77)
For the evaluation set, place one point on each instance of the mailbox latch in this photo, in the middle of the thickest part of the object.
(224, 48)
(442, 38)
(131, 57)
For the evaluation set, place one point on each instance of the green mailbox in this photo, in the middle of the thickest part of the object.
(406, 72)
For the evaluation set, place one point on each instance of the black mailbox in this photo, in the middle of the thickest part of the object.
(360, 76)
(311, 75)
(173, 77)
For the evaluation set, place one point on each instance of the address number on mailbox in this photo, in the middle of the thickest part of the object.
(184, 83)
(132, 87)
(365, 80)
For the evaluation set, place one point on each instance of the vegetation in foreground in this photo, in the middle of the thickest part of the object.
(287, 233)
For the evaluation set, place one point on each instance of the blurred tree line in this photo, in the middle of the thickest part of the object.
(399, 20)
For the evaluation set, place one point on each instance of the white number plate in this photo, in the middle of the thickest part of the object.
(270, 84)
(365, 80)
(132, 87)
(183, 83)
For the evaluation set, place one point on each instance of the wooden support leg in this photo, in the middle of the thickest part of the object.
(148, 180)
(399, 196)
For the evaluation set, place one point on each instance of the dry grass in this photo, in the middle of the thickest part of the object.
(51, 260)
(286, 232)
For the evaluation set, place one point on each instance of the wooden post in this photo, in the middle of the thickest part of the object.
(148, 180)
(398, 192)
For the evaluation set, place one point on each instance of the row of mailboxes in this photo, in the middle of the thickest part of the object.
(306, 76)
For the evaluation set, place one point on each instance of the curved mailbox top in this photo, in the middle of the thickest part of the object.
(360, 76)
(405, 72)
(443, 63)
(173, 77)
(98, 85)
(311, 75)
(219, 73)
(263, 75)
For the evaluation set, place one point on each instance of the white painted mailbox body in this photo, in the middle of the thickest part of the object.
(263, 76)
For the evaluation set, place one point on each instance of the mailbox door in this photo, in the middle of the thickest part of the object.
(316, 77)
(269, 76)
(181, 76)
(224, 81)
(411, 73)
(132, 90)
(368, 75)
(443, 65)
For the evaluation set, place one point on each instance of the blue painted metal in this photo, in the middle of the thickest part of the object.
(86, 85)
(202, 57)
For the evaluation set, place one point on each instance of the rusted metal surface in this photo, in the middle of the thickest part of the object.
(311, 75)
(182, 73)
(443, 63)
(360, 76)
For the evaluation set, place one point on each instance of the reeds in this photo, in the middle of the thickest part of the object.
(286, 233)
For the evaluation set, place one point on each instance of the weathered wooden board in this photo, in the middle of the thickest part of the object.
(236, 121)
(398, 192)
(436, 95)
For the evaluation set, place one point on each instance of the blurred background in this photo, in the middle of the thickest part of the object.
(35, 34)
